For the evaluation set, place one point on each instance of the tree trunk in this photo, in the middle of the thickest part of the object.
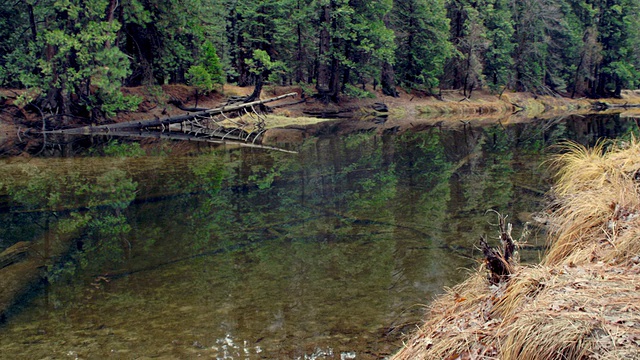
(299, 57)
(236, 53)
(388, 80)
(111, 11)
(300, 52)
(334, 86)
(346, 73)
(139, 41)
(32, 23)
(576, 77)
(323, 83)
(255, 95)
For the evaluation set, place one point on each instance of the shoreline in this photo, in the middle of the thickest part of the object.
(293, 120)
(529, 284)
(581, 301)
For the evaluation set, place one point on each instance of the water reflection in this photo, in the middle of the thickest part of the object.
(247, 254)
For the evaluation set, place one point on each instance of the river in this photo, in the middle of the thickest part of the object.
(330, 253)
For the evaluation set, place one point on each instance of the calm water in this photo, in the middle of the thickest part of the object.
(331, 253)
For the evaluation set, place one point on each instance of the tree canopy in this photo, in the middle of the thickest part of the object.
(75, 55)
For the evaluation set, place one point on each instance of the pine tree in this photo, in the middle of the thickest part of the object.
(70, 63)
(616, 22)
(352, 38)
(498, 67)
(423, 46)
(468, 35)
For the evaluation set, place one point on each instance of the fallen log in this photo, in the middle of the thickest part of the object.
(601, 105)
(141, 124)
(185, 137)
(14, 254)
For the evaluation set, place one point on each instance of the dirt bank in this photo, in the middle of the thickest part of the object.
(581, 302)
(290, 118)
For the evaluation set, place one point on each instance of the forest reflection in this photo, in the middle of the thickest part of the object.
(331, 250)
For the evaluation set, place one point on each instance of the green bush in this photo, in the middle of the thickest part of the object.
(199, 77)
(356, 92)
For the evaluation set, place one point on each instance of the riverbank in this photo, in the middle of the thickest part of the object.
(581, 302)
(293, 120)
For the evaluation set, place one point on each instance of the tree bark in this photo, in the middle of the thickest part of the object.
(388, 80)
(111, 12)
(32, 23)
(323, 81)
(255, 95)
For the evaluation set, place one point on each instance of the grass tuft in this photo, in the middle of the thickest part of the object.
(582, 301)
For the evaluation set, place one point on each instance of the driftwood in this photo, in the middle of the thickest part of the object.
(601, 105)
(217, 125)
(380, 107)
(500, 262)
(141, 124)
(14, 254)
(330, 114)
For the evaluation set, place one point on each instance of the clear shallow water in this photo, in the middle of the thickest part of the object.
(245, 254)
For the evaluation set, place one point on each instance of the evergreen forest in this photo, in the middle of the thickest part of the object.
(74, 56)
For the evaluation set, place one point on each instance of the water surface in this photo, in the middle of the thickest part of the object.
(331, 253)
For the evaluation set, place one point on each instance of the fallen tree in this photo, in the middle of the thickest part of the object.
(210, 122)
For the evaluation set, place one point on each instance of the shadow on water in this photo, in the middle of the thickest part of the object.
(329, 253)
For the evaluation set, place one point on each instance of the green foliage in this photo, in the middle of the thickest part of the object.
(261, 62)
(75, 55)
(209, 172)
(358, 93)
(354, 40)
(498, 56)
(265, 178)
(111, 103)
(465, 69)
(208, 72)
(75, 204)
(423, 45)
(199, 77)
(211, 63)
(117, 149)
(618, 31)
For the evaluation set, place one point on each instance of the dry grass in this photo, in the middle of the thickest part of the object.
(582, 302)
(597, 210)
(525, 104)
(465, 108)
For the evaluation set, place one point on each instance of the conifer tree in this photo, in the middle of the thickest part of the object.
(422, 37)
(468, 36)
(498, 67)
(71, 64)
(352, 37)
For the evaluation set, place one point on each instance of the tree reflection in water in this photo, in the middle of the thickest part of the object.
(254, 254)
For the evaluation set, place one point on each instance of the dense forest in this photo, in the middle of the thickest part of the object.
(75, 55)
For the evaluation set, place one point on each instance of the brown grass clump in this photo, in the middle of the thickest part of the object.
(465, 108)
(597, 210)
(582, 302)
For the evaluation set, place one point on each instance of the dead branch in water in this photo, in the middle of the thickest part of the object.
(14, 254)
(141, 124)
(500, 262)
